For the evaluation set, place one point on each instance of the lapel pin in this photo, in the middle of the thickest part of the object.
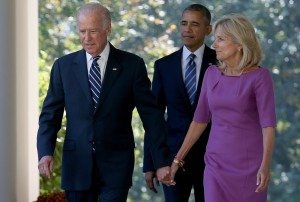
(114, 69)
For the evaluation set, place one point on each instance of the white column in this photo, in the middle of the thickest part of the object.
(19, 180)
(7, 105)
(26, 63)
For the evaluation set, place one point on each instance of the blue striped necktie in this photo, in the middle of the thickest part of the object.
(190, 78)
(95, 81)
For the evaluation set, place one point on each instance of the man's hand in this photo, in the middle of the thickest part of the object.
(151, 180)
(164, 175)
(46, 166)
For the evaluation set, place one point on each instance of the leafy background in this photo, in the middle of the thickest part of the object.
(150, 29)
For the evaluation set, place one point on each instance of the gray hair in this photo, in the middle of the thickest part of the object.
(97, 8)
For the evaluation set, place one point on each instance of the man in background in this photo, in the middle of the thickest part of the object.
(176, 86)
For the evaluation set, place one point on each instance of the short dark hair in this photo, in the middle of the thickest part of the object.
(200, 8)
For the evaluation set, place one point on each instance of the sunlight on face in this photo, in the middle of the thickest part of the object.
(193, 29)
(92, 33)
(226, 49)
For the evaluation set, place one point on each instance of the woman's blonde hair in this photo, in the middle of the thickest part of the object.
(242, 32)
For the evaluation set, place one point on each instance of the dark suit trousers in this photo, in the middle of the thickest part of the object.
(180, 192)
(98, 192)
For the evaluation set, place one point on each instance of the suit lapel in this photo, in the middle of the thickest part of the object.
(81, 74)
(113, 69)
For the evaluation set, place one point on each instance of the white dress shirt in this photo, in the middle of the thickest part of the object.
(198, 60)
(102, 61)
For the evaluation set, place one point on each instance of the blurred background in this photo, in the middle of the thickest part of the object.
(150, 30)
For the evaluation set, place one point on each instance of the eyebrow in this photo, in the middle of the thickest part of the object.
(190, 21)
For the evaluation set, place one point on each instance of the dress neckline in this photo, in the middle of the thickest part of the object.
(243, 73)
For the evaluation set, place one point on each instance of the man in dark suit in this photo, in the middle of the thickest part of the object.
(177, 92)
(98, 87)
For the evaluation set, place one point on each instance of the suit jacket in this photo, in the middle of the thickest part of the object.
(125, 86)
(169, 89)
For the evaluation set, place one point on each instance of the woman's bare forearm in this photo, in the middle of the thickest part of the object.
(193, 134)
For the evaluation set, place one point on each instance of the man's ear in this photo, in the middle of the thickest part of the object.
(108, 30)
(208, 29)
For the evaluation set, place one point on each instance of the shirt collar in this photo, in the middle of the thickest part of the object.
(199, 52)
(103, 55)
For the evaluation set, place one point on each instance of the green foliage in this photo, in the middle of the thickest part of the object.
(150, 29)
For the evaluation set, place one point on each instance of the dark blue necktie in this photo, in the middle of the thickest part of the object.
(190, 78)
(95, 81)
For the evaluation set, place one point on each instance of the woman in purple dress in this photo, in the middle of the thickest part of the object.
(237, 97)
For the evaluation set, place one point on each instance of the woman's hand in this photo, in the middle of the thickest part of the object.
(263, 174)
(262, 179)
(174, 168)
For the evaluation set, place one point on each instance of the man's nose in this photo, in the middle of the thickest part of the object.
(188, 28)
(88, 36)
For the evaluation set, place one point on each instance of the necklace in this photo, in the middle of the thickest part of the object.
(233, 74)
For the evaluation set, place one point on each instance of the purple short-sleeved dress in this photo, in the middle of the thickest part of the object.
(239, 107)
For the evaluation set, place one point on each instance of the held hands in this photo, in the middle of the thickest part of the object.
(174, 168)
(151, 181)
(46, 166)
(164, 175)
(263, 178)
(176, 164)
